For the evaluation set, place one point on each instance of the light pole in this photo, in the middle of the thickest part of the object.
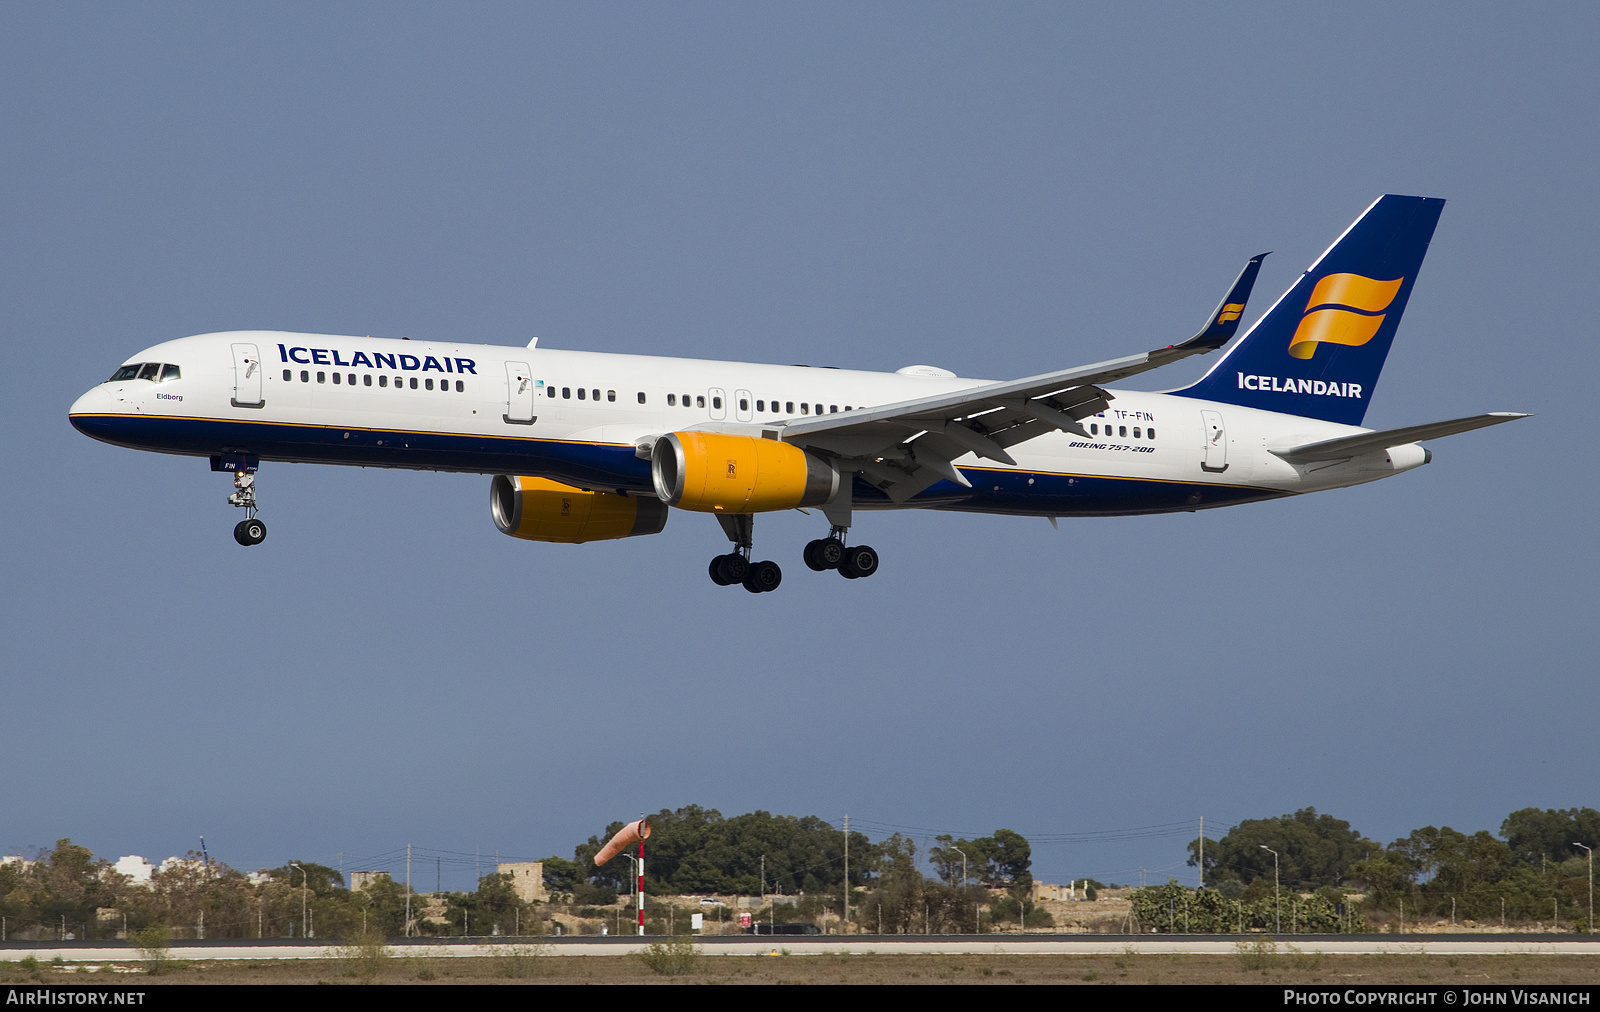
(975, 923)
(302, 897)
(1591, 885)
(1277, 904)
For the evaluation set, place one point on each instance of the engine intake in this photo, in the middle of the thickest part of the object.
(717, 473)
(538, 509)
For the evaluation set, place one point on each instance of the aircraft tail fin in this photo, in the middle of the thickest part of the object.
(1318, 351)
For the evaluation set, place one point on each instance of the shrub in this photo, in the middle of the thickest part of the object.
(155, 945)
(670, 959)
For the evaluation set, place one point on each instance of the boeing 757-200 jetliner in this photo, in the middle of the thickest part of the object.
(585, 446)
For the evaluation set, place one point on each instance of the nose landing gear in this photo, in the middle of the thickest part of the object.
(249, 531)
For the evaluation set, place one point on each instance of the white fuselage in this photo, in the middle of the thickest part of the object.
(579, 417)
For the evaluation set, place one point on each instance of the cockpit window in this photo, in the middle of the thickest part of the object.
(150, 370)
(170, 372)
(127, 372)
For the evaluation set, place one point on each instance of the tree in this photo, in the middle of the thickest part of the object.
(1536, 837)
(1313, 850)
(999, 861)
(561, 875)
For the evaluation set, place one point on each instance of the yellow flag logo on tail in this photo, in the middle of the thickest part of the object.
(1230, 312)
(1344, 309)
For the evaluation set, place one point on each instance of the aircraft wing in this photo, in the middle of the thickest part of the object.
(906, 447)
(1363, 442)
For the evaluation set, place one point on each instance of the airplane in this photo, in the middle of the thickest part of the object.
(585, 446)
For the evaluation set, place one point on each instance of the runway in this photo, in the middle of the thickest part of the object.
(802, 945)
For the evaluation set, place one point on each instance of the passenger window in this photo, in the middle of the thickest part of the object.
(596, 395)
(672, 402)
(288, 375)
(322, 377)
(700, 402)
(305, 376)
(413, 382)
(366, 379)
(461, 386)
(805, 409)
(335, 379)
(427, 384)
(551, 391)
(170, 372)
(716, 402)
(685, 400)
(744, 404)
(383, 381)
(611, 395)
(761, 405)
(788, 406)
(1094, 430)
(582, 394)
(566, 393)
(1135, 432)
(641, 397)
(1122, 430)
(150, 371)
(351, 379)
(1150, 433)
(833, 409)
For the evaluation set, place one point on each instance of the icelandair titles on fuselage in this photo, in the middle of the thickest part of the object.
(378, 360)
(1277, 385)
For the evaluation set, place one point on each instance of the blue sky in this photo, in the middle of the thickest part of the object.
(997, 190)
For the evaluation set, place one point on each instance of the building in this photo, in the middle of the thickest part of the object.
(136, 868)
(527, 878)
(360, 880)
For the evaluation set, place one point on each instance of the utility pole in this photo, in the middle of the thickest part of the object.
(1202, 861)
(1277, 904)
(844, 923)
(408, 890)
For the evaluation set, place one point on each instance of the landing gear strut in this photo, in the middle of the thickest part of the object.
(830, 553)
(736, 567)
(249, 531)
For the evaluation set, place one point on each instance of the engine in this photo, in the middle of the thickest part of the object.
(716, 473)
(538, 509)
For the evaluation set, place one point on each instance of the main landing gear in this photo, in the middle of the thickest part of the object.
(249, 531)
(830, 553)
(736, 567)
(852, 563)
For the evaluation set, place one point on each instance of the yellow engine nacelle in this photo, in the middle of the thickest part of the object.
(538, 509)
(716, 473)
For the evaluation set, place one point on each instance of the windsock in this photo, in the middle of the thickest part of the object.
(633, 832)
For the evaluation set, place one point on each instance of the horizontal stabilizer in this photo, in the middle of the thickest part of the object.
(1365, 442)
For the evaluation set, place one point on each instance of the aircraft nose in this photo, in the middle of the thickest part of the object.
(96, 401)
